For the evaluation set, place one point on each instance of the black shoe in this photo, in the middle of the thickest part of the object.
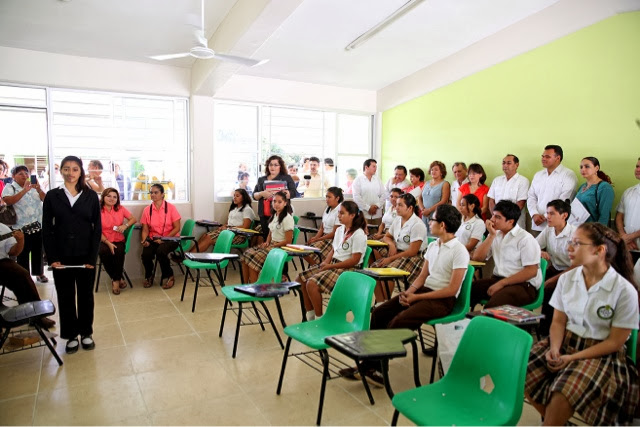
(177, 258)
(349, 373)
(72, 346)
(88, 343)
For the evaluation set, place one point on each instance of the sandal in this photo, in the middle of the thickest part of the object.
(42, 278)
(147, 283)
(115, 288)
(169, 283)
(122, 284)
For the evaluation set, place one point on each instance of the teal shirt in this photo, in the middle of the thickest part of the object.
(602, 212)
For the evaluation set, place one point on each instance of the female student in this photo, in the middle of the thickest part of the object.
(276, 170)
(323, 238)
(390, 214)
(240, 215)
(280, 234)
(472, 229)
(582, 365)
(596, 194)
(347, 252)
(112, 244)
(476, 186)
(406, 238)
(159, 219)
(434, 193)
(71, 229)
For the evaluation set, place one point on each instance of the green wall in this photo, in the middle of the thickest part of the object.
(581, 91)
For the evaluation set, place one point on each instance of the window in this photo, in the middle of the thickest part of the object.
(246, 135)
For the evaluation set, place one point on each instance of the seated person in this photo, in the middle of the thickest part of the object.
(347, 252)
(13, 276)
(390, 214)
(582, 367)
(112, 241)
(280, 234)
(433, 293)
(472, 229)
(406, 238)
(160, 219)
(240, 215)
(324, 237)
(554, 240)
(516, 275)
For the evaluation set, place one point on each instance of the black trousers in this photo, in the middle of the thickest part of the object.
(75, 298)
(113, 263)
(18, 280)
(161, 252)
(33, 247)
(518, 294)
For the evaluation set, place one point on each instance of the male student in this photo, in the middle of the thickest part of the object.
(516, 253)
(511, 186)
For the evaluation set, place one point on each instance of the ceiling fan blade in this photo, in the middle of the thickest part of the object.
(170, 56)
(249, 62)
(200, 38)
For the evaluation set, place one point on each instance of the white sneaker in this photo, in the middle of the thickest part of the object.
(311, 315)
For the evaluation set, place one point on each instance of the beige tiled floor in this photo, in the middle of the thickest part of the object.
(157, 363)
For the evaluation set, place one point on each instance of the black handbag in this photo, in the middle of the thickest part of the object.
(8, 214)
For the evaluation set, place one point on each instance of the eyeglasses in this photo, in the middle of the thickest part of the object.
(575, 243)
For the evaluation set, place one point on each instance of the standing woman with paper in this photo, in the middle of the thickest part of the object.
(596, 195)
(71, 230)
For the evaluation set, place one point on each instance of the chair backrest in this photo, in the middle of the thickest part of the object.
(495, 348)
(272, 269)
(632, 344)
(223, 242)
(463, 302)
(296, 218)
(352, 293)
(127, 239)
(367, 255)
(540, 296)
(296, 232)
(187, 230)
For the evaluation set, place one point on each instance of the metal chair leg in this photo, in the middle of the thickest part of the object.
(434, 362)
(394, 420)
(285, 355)
(195, 291)
(273, 325)
(235, 340)
(99, 267)
(184, 287)
(224, 315)
(126, 276)
(325, 374)
(255, 310)
(212, 283)
(365, 383)
(46, 341)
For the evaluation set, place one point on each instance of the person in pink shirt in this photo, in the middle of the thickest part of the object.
(159, 219)
(112, 243)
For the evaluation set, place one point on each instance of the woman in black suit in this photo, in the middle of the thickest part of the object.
(275, 170)
(71, 234)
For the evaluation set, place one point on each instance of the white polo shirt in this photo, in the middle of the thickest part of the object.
(513, 251)
(514, 190)
(443, 258)
(561, 184)
(389, 216)
(344, 249)
(612, 302)
(330, 219)
(236, 217)
(278, 230)
(630, 206)
(368, 193)
(7, 244)
(412, 230)
(471, 229)
(556, 245)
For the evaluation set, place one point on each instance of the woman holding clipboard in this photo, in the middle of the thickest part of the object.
(71, 230)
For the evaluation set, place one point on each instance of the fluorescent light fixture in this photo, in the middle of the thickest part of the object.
(410, 4)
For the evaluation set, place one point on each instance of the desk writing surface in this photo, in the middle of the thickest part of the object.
(386, 271)
(244, 230)
(205, 222)
(209, 257)
(376, 243)
(477, 263)
(388, 343)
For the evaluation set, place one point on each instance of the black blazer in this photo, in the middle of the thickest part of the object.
(291, 186)
(71, 231)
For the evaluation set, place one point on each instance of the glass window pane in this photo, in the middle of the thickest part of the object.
(349, 167)
(24, 136)
(23, 96)
(354, 134)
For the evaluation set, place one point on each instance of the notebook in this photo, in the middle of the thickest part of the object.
(388, 271)
(209, 257)
(512, 314)
(266, 290)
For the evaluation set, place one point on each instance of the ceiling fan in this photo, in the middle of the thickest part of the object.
(202, 51)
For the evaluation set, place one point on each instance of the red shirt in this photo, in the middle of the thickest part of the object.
(112, 219)
(482, 191)
(161, 222)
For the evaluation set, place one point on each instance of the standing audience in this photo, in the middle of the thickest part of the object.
(596, 195)
(275, 171)
(314, 185)
(416, 177)
(459, 170)
(368, 192)
(511, 186)
(476, 186)
(434, 193)
(628, 216)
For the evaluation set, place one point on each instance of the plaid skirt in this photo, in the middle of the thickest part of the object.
(255, 257)
(604, 391)
(324, 245)
(237, 239)
(411, 264)
(327, 279)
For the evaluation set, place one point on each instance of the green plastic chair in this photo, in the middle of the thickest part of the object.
(352, 293)
(489, 348)
(271, 273)
(222, 246)
(632, 344)
(367, 255)
(296, 218)
(245, 244)
(460, 310)
(294, 240)
(127, 245)
(538, 301)
(184, 245)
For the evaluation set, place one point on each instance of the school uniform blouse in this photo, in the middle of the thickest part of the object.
(443, 258)
(112, 218)
(236, 216)
(330, 219)
(389, 216)
(160, 221)
(471, 229)
(600, 211)
(513, 251)
(557, 246)
(344, 249)
(412, 230)
(278, 230)
(612, 302)
(77, 229)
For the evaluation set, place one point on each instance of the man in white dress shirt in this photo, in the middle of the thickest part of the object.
(512, 186)
(398, 180)
(368, 192)
(553, 182)
(459, 170)
(628, 216)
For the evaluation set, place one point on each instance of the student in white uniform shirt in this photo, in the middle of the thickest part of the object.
(390, 213)
(582, 367)
(472, 229)
(554, 242)
(406, 238)
(553, 182)
(324, 237)
(628, 216)
(516, 276)
(510, 186)
(368, 192)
